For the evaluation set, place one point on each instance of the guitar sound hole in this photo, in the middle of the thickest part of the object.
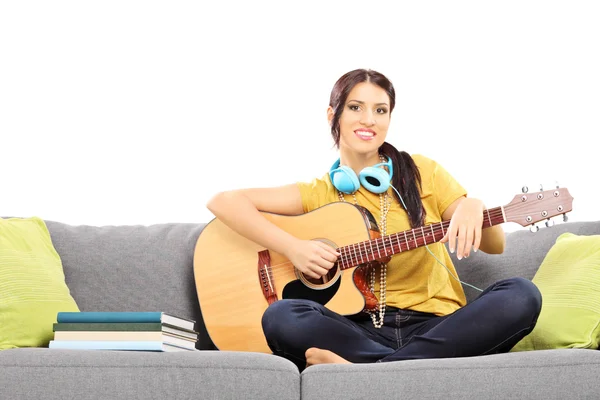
(322, 280)
(298, 290)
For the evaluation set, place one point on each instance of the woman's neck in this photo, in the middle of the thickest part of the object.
(359, 161)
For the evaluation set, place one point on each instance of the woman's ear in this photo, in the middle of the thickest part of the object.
(329, 115)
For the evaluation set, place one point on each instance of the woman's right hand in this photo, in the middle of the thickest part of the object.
(312, 257)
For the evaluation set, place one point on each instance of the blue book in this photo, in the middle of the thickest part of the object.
(115, 345)
(124, 317)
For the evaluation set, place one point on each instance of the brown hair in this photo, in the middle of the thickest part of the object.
(406, 178)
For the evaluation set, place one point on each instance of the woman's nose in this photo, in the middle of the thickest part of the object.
(368, 118)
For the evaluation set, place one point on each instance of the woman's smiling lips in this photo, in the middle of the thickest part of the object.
(365, 134)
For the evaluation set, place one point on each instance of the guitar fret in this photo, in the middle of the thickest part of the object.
(391, 244)
(406, 240)
(361, 257)
(399, 243)
(489, 219)
(414, 238)
(354, 249)
(424, 238)
(344, 257)
(366, 251)
(371, 246)
(377, 245)
(442, 225)
(432, 232)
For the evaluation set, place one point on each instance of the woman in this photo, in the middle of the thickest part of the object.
(422, 310)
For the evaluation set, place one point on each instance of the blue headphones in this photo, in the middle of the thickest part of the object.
(374, 179)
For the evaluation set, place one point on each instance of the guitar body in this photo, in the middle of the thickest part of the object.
(237, 279)
(231, 291)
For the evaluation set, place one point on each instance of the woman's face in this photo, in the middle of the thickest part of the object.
(365, 119)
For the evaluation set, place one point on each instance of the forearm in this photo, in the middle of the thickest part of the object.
(236, 211)
(493, 240)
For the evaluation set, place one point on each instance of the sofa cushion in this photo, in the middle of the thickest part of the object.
(545, 374)
(32, 284)
(51, 374)
(569, 280)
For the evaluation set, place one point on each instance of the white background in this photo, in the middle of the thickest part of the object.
(137, 112)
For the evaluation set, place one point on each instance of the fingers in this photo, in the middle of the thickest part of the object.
(451, 236)
(477, 240)
(462, 238)
(468, 243)
(461, 242)
(327, 253)
(321, 260)
(316, 271)
(330, 250)
(445, 238)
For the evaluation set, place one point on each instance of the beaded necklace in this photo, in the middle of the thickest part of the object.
(384, 204)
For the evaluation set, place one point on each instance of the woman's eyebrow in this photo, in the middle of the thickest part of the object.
(362, 102)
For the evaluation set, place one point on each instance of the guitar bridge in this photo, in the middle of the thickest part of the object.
(265, 276)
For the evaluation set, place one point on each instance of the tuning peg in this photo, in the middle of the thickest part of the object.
(534, 228)
(565, 218)
(525, 189)
(549, 223)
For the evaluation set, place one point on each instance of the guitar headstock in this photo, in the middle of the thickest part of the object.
(528, 208)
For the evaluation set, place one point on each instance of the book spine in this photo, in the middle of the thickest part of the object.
(99, 316)
(107, 326)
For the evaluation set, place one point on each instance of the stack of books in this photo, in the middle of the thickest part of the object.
(141, 331)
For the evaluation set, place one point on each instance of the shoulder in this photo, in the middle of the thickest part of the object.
(317, 192)
(322, 181)
(427, 166)
(322, 184)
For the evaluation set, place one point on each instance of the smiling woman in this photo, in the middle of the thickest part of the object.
(404, 297)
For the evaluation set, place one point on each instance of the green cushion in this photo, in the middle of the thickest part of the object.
(569, 280)
(32, 284)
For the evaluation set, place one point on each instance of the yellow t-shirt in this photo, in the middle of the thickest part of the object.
(415, 279)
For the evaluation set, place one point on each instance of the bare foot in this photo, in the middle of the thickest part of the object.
(316, 356)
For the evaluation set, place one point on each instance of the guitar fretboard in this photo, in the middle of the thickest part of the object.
(385, 246)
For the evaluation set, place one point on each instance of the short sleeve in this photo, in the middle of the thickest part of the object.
(315, 193)
(446, 188)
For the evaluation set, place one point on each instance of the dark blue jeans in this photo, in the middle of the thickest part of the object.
(500, 317)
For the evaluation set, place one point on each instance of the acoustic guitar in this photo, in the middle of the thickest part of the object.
(236, 279)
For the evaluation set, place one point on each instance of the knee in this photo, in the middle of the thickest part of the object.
(275, 315)
(279, 319)
(524, 297)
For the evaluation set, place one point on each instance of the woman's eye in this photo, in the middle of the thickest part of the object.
(353, 107)
(382, 110)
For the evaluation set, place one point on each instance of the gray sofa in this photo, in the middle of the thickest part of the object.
(132, 268)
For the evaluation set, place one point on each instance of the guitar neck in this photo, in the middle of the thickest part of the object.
(385, 246)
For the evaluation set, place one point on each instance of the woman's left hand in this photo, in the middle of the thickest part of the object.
(465, 227)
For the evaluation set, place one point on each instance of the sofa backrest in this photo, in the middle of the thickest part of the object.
(523, 254)
(150, 268)
(132, 268)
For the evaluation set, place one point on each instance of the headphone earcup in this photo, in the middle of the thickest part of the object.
(375, 180)
(344, 179)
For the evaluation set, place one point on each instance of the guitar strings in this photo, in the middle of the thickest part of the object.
(356, 253)
(519, 211)
(355, 257)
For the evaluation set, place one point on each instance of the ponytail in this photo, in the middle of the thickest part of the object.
(407, 181)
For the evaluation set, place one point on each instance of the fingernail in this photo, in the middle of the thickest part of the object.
(459, 257)
(451, 250)
(475, 250)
